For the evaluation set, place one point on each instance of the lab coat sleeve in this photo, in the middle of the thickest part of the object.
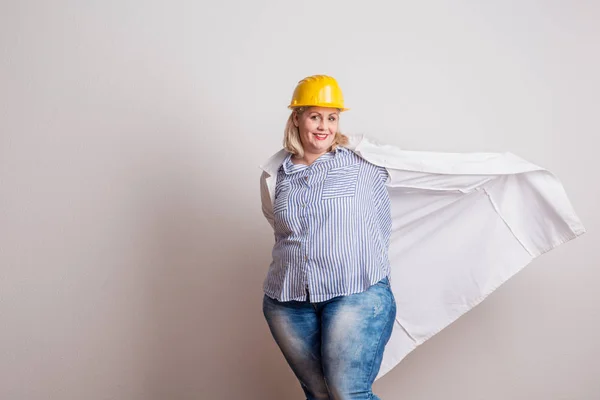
(533, 204)
(436, 182)
(265, 198)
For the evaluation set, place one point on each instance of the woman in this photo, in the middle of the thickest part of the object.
(461, 225)
(327, 298)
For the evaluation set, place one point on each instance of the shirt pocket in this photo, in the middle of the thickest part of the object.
(282, 194)
(341, 182)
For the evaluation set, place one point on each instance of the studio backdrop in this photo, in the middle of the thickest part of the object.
(132, 244)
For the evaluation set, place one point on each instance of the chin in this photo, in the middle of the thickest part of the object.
(323, 146)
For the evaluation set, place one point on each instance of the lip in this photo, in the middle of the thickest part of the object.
(324, 136)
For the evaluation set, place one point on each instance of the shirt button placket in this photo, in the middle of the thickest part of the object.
(305, 219)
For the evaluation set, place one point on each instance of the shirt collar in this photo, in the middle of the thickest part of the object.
(290, 168)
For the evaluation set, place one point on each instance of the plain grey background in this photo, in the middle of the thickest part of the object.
(132, 246)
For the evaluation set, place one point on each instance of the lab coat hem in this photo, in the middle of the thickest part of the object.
(567, 237)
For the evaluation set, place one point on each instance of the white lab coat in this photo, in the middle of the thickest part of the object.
(463, 223)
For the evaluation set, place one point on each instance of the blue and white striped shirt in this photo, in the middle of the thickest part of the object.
(332, 226)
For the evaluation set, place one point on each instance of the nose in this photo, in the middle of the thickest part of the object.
(321, 126)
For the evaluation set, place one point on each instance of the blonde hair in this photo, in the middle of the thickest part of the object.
(291, 136)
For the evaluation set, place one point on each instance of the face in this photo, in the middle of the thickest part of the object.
(317, 126)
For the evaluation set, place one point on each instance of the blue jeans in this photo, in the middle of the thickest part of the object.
(334, 347)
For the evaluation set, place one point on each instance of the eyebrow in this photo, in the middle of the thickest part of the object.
(318, 113)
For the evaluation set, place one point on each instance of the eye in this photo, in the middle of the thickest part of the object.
(315, 117)
(332, 119)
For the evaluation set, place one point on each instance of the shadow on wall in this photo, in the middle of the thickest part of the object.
(204, 261)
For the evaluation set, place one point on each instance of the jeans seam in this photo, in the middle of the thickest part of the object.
(378, 342)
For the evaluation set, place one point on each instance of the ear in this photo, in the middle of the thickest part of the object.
(295, 119)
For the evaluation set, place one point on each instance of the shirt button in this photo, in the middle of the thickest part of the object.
(306, 178)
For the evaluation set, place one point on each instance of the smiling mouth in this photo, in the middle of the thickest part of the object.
(321, 136)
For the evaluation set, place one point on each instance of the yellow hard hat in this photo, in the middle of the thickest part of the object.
(318, 91)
